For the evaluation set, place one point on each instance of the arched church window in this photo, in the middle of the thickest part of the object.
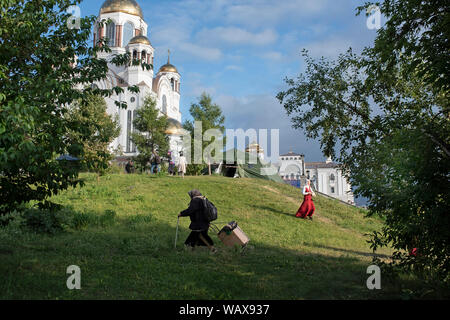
(172, 82)
(332, 177)
(164, 104)
(144, 56)
(134, 55)
(128, 31)
(111, 34)
(99, 34)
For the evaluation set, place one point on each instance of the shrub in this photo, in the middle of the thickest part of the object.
(45, 221)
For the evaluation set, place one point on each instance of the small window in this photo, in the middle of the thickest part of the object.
(164, 104)
(332, 177)
(111, 34)
(128, 30)
(332, 189)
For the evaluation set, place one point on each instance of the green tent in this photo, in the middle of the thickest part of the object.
(236, 163)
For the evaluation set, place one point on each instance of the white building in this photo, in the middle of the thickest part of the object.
(326, 177)
(128, 33)
(292, 166)
(254, 148)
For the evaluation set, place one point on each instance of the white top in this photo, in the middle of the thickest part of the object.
(305, 192)
(182, 164)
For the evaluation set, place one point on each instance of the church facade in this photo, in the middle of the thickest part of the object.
(127, 31)
(326, 177)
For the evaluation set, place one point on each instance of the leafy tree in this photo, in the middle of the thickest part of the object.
(45, 66)
(416, 35)
(94, 130)
(388, 124)
(210, 114)
(150, 135)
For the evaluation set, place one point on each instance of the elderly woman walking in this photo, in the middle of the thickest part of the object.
(307, 208)
(199, 224)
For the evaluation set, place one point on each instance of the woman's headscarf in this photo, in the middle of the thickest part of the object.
(194, 193)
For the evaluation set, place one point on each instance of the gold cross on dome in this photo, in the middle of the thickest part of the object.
(168, 55)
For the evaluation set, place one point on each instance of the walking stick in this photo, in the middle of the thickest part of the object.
(176, 234)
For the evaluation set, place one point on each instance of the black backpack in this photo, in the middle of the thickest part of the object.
(210, 210)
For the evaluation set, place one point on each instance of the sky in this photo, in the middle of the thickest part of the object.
(240, 52)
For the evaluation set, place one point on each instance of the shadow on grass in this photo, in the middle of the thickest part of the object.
(266, 208)
(364, 254)
(135, 258)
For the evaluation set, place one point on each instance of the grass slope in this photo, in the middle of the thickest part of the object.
(125, 245)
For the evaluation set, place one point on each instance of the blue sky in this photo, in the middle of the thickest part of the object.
(240, 52)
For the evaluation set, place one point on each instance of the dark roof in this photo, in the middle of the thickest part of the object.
(315, 165)
(292, 154)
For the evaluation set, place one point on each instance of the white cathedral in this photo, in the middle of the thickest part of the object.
(326, 177)
(128, 33)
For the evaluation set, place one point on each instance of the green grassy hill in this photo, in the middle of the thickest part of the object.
(122, 237)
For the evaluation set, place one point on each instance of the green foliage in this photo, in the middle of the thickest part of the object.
(210, 114)
(195, 169)
(415, 35)
(151, 133)
(93, 130)
(45, 221)
(390, 129)
(44, 67)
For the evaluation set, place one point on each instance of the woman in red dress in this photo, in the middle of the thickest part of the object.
(307, 208)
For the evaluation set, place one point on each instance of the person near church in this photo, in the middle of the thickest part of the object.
(156, 163)
(171, 169)
(129, 167)
(307, 209)
(182, 163)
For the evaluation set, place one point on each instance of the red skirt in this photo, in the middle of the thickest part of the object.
(307, 208)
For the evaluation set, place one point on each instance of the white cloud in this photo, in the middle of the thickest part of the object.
(266, 13)
(265, 112)
(233, 68)
(273, 55)
(210, 54)
(329, 47)
(236, 36)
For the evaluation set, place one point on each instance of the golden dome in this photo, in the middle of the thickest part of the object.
(168, 67)
(254, 147)
(125, 6)
(140, 39)
(175, 127)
